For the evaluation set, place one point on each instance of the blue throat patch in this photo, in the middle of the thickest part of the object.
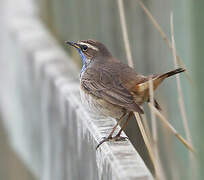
(84, 61)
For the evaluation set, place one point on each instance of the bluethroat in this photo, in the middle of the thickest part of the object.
(111, 88)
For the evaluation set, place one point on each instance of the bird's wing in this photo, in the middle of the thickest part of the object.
(106, 85)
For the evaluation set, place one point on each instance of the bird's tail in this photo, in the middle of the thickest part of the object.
(171, 73)
(157, 79)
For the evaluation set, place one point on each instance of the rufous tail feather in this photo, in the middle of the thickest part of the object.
(157, 79)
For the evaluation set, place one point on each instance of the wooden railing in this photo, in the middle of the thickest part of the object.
(46, 123)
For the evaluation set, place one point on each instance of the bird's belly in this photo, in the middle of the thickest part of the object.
(99, 106)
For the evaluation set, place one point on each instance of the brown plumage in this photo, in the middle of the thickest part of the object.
(111, 88)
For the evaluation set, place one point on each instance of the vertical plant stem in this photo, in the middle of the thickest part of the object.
(180, 93)
(154, 129)
(153, 117)
(130, 63)
(125, 33)
(146, 126)
(164, 36)
(148, 145)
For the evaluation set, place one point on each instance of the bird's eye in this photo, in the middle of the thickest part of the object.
(84, 47)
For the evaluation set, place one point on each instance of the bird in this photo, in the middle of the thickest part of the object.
(111, 88)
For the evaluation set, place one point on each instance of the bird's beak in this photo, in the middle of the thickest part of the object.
(73, 44)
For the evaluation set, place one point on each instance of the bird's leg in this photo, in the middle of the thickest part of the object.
(113, 130)
(156, 104)
(118, 137)
(118, 123)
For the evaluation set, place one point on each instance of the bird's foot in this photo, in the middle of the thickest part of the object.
(110, 138)
(119, 138)
(104, 140)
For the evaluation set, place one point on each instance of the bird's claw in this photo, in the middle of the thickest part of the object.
(110, 138)
(104, 140)
(120, 138)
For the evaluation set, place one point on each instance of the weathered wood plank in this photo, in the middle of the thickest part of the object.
(49, 128)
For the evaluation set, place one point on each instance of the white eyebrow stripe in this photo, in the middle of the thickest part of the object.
(90, 46)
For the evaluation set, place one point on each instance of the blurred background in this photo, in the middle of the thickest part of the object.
(100, 20)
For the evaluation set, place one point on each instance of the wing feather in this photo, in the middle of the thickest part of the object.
(103, 84)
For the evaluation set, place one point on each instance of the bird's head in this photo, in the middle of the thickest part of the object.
(90, 50)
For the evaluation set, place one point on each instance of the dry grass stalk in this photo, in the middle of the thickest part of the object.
(179, 89)
(180, 93)
(154, 129)
(148, 145)
(153, 117)
(130, 63)
(171, 128)
(146, 126)
(171, 157)
(125, 33)
(164, 36)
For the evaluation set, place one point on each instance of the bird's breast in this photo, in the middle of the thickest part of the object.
(100, 107)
